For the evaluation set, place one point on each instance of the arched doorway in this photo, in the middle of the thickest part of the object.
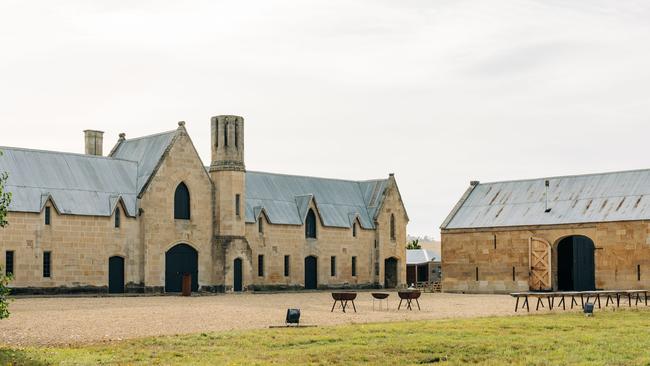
(575, 264)
(115, 275)
(179, 260)
(237, 275)
(311, 273)
(390, 272)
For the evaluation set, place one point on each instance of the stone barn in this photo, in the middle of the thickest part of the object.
(151, 214)
(580, 232)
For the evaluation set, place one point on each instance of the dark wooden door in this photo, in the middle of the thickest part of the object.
(390, 273)
(411, 274)
(179, 260)
(115, 275)
(237, 281)
(583, 264)
(576, 267)
(311, 273)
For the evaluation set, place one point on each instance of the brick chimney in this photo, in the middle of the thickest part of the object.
(94, 142)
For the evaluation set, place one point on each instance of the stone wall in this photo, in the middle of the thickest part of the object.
(161, 231)
(80, 247)
(276, 241)
(369, 247)
(620, 248)
(388, 247)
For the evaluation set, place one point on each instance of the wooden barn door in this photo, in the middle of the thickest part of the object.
(539, 256)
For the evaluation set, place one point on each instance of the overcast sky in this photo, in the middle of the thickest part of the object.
(438, 92)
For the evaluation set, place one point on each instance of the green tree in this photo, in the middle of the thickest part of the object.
(5, 199)
(415, 244)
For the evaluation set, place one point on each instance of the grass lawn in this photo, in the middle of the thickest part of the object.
(610, 338)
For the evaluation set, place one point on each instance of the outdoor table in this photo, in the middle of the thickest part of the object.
(584, 296)
(343, 298)
(379, 296)
(409, 296)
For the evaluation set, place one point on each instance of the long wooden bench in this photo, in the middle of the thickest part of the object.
(613, 296)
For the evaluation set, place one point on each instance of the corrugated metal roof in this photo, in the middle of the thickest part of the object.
(285, 199)
(419, 256)
(77, 184)
(91, 185)
(147, 151)
(617, 196)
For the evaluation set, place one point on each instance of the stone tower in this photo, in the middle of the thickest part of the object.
(228, 173)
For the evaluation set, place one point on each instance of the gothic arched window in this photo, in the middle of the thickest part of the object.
(310, 224)
(182, 202)
(117, 217)
(392, 227)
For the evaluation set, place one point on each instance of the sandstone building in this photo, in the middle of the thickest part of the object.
(151, 212)
(564, 233)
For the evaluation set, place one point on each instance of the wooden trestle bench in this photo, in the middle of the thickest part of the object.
(613, 296)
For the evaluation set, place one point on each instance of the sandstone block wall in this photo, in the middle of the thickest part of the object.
(161, 231)
(80, 247)
(620, 248)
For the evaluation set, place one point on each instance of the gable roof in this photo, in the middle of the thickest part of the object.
(147, 151)
(616, 196)
(77, 184)
(286, 198)
(419, 256)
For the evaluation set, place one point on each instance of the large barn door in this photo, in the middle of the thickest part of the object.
(180, 260)
(539, 278)
(583, 264)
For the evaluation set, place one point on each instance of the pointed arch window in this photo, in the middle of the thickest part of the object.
(117, 217)
(182, 202)
(392, 227)
(310, 224)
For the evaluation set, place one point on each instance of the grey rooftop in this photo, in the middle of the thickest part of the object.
(589, 198)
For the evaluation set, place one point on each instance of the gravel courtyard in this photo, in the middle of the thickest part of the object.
(74, 320)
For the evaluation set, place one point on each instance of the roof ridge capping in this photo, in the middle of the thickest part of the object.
(316, 177)
(564, 176)
(151, 135)
(110, 158)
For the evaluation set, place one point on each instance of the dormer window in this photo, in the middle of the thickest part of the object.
(48, 216)
(260, 226)
(117, 218)
(354, 230)
(310, 225)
